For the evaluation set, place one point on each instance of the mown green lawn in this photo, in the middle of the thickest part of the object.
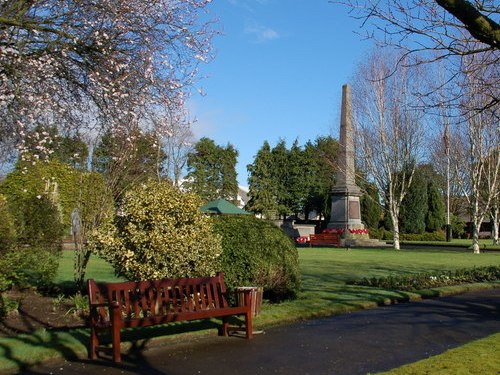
(324, 292)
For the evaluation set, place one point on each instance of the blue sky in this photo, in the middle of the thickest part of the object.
(278, 73)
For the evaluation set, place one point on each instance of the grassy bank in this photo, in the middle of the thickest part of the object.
(324, 292)
(477, 357)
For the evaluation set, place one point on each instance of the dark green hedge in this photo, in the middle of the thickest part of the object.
(257, 253)
(432, 280)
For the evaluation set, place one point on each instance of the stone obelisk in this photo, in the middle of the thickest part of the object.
(346, 212)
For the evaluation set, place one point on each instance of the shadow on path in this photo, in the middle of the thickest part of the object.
(357, 343)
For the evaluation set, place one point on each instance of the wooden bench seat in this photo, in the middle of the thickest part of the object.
(114, 306)
(324, 239)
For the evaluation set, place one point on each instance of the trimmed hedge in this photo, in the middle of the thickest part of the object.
(432, 280)
(426, 236)
(257, 253)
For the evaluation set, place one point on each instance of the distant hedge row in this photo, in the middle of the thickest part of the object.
(432, 280)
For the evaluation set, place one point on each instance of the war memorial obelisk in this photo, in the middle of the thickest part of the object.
(346, 212)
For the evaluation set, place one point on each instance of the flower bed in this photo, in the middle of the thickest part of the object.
(342, 231)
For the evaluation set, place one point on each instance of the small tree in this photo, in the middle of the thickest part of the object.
(157, 232)
(414, 206)
(435, 218)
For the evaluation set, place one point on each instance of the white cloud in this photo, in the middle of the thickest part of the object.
(262, 33)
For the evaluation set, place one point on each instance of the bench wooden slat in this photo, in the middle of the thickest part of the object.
(116, 306)
(324, 239)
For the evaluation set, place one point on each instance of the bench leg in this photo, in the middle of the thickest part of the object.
(225, 326)
(249, 324)
(94, 343)
(115, 338)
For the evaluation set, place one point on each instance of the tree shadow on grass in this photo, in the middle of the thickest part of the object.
(27, 351)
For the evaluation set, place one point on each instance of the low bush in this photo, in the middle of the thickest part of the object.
(432, 280)
(258, 253)
(28, 267)
(426, 236)
(158, 232)
(42, 223)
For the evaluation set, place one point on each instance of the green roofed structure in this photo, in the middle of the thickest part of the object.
(222, 207)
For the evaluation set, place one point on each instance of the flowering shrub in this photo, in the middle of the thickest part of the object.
(302, 239)
(159, 232)
(358, 231)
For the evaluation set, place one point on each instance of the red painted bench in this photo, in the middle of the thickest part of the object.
(115, 306)
(324, 239)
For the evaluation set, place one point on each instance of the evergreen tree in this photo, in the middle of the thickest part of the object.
(414, 206)
(212, 171)
(435, 218)
(262, 186)
(296, 179)
(371, 210)
(320, 160)
(229, 183)
(280, 173)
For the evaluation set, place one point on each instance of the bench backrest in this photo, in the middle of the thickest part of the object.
(160, 298)
(325, 236)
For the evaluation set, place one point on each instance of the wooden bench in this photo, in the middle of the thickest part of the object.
(328, 239)
(114, 306)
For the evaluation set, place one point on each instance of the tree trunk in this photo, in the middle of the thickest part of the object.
(395, 231)
(475, 238)
(495, 221)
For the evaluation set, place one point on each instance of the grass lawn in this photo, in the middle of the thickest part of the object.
(477, 357)
(324, 292)
(485, 244)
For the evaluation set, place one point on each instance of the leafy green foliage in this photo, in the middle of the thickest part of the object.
(28, 266)
(432, 280)
(262, 185)
(7, 228)
(257, 253)
(414, 206)
(435, 218)
(457, 226)
(42, 223)
(426, 236)
(371, 211)
(295, 181)
(158, 232)
(65, 186)
(212, 171)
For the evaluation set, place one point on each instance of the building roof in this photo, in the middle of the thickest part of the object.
(223, 207)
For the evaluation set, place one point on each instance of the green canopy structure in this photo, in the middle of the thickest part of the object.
(222, 207)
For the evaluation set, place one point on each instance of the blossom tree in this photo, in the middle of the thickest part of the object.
(97, 65)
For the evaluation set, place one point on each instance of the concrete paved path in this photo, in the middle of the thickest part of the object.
(357, 343)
